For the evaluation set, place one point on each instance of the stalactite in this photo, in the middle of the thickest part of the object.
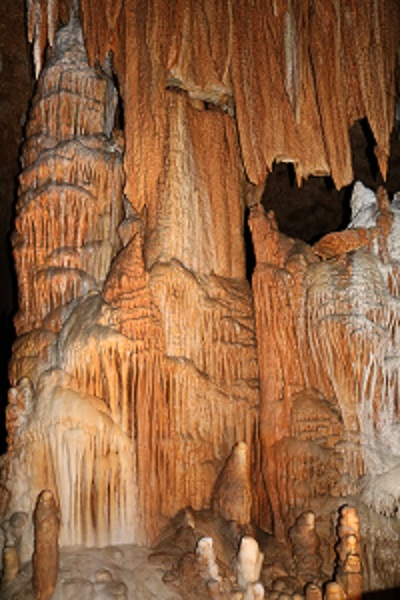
(135, 348)
(213, 52)
(75, 440)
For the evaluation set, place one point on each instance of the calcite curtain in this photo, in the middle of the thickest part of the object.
(140, 360)
(297, 74)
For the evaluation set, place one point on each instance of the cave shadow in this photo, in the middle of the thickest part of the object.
(249, 248)
(8, 309)
(390, 594)
(7, 336)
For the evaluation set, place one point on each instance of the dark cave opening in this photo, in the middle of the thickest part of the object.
(249, 249)
(316, 208)
(308, 212)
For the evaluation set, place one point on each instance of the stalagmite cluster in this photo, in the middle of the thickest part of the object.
(349, 554)
(152, 387)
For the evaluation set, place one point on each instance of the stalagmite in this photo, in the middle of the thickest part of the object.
(313, 592)
(206, 559)
(148, 375)
(258, 591)
(45, 554)
(306, 544)
(249, 562)
(70, 193)
(149, 334)
(334, 591)
(11, 564)
(327, 324)
(208, 567)
(349, 575)
(232, 491)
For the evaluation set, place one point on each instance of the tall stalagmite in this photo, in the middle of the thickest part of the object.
(135, 372)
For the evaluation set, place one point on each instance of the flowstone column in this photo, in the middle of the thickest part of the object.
(134, 373)
(328, 341)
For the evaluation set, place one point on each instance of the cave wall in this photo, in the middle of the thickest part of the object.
(140, 360)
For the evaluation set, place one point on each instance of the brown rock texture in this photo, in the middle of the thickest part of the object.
(70, 192)
(334, 591)
(10, 566)
(313, 592)
(45, 554)
(144, 380)
(268, 62)
(305, 543)
(232, 494)
(135, 370)
(348, 550)
(327, 387)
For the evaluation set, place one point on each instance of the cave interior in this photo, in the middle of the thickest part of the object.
(199, 306)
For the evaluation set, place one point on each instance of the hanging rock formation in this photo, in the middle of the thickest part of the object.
(143, 378)
(251, 60)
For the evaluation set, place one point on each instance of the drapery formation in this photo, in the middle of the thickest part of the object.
(134, 373)
(138, 361)
(327, 335)
(296, 74)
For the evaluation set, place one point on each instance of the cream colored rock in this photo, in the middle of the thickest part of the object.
(249, 562)
(258, 591)
(206, 559)
(254, 591)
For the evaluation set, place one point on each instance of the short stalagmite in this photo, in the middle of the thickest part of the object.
(45, 555)
(349, 575)
(306, 551)
(232, 494)
(10, 566)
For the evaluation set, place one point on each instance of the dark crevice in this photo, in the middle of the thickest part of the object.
(308, 212)
(119, 120)
(317, 208)
(250, 257)
(389, 594)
